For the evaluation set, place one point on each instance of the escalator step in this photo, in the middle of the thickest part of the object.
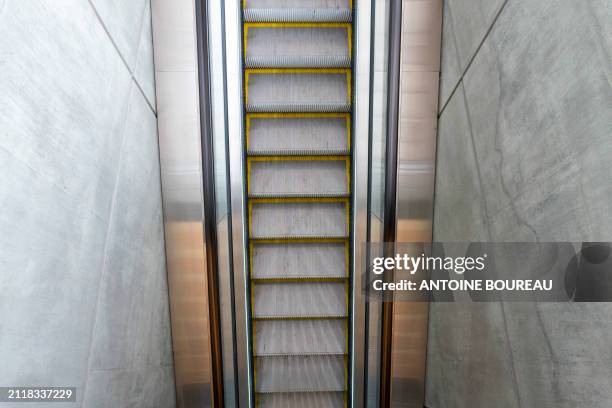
(300, 374)
(302, 15)
(301, 400)
(299, 259)
(301, 299)
(307, 176)
(298, 131)
(298, 62)
(288, 43)
(296, 318)
(278, 337)
(289, 219)
(289, 237)
(296, 107)
(298, 195)
(299, 152)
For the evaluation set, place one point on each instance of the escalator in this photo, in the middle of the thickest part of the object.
(297, 100)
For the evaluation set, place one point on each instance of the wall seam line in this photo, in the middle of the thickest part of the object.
(105, 250)
(488, 228)
(486, 35)
(110, 37)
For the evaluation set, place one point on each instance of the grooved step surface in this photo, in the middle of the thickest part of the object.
(301, 219)
(298, 176)
(298, 133)
(308, 15)
(299, 195)
(299, 259)
(275, 337)
(299, 152)
(297, 4)
(299, 299)
(300, 61)
(297, 89)
(302, 400)
(300, 373)
(297, 107)
(297, 42)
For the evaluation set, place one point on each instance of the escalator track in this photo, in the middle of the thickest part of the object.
(298, 118)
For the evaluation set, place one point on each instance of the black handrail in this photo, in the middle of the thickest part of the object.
(390, 204)
(209, 203)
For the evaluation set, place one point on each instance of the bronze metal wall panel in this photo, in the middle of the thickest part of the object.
(176, 78)
(419, 73)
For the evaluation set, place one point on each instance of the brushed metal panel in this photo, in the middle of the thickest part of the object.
(420, 56)
(179, 140)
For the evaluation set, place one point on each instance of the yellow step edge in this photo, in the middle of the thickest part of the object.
(299, 318)
(300, 280)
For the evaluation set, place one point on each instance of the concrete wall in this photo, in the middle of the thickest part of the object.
(524, 150)
(83, 292)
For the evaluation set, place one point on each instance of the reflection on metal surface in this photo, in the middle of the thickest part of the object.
(179, 140)
(363, 77)
(210, 217)
(223, 216)
(380, 49)
(235, 142)
(420, 59)
(390, 193)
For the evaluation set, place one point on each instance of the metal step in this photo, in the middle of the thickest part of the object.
(293, 108)
(297, 15)
(283, 195)
(296, 237)
(299, 152)
(301, 400)
(298, 62)
(300, 374)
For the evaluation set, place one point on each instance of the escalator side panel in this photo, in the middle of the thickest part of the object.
(302, 400)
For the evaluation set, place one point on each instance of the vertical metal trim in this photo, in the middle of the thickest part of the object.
(233, 30)
(367, 328)
(361, 131)
(389, 227)
(218, 68)
(209, 204)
